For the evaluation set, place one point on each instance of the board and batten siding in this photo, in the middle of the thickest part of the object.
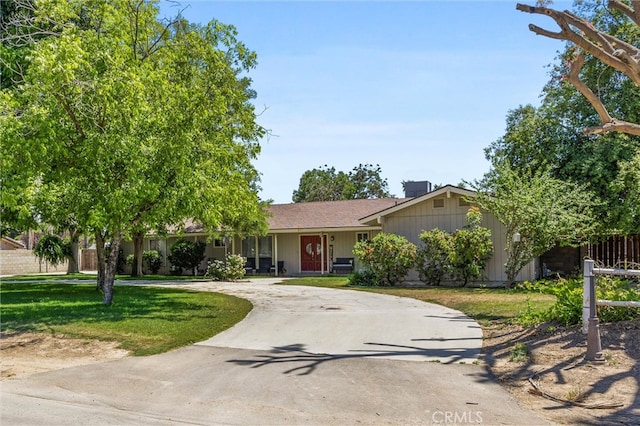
(411, 221)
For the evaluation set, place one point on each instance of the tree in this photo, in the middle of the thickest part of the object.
(322, 184)
(325, 184)
(538, 212)
(472, 248)
(50, 247)
(587, 39)
(146, 122)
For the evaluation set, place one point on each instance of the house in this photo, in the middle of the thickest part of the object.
(307, 238)
(446, 208)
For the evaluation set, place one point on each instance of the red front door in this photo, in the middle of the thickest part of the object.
(311, 253)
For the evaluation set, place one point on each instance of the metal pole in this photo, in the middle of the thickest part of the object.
(594, 346)
(586, 303)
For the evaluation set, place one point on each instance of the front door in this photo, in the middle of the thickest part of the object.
(311, 253)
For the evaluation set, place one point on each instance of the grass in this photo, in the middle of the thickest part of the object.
(482, 304)
(92, 277)
(145, 320)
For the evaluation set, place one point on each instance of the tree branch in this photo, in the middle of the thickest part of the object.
(632, 11)
(610, 50)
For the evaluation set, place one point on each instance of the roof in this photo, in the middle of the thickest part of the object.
(315, 215)
(325, 214)
(447, 190)
(11, 244)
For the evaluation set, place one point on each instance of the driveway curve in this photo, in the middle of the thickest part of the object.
(303, 355)
(347, 324)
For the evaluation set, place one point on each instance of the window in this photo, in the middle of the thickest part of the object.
(463, 203)
(362, 236)
(154, 245)
(265, 247)
(438, 203)
(218, 243)
(249, 247)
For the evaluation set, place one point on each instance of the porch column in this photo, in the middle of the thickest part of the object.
(275, 253)
(321, 253)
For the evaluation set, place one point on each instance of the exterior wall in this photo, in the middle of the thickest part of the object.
(410, 222)
(22, 261)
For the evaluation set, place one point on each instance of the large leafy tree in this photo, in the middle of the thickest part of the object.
(146, 122)
(327, 184)
(551, 136)
(538, 212)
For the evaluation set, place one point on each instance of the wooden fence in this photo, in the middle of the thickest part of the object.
(617, 251)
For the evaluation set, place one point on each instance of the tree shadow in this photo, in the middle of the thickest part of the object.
(618, 335)
(308, 362)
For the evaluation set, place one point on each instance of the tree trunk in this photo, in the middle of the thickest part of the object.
(72, 266)
(110, 267)
(136, 268)
(101, 260)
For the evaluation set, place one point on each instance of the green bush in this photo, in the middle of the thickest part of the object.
(388, 256)
(364, 278)
(433, 256)
(569, 294)
(185, 254)
(152, 259)
(472, 248)
(231, 269)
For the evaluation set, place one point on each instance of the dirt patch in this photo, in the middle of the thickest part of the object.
(23, 354)
(553, 357)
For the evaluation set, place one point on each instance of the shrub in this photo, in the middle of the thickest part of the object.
(388, 256)
(153, 260)
(433, 256)
(185, 254)
(364, 278)
(472, 248)
(568, 306)
(231, 269)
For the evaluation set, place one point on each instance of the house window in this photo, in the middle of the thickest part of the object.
(154, 245)
(265, 247)
(249, 247)
(362, 236)
(463, 203)
(218, 243)
(438, 203)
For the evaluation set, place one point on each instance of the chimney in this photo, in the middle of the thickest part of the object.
(416, 189)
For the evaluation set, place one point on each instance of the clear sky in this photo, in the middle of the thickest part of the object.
(418, 87)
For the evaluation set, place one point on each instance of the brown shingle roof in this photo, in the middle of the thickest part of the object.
(325, 214)
(315, 215)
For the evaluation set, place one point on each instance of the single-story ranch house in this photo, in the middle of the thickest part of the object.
(309, 238)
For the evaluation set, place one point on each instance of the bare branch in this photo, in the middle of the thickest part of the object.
(632, 11)
(610, 50)
(574, 78)
(603, 46)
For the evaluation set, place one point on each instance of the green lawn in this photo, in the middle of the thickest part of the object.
(145, 320)
(93, 277)
(482, 304)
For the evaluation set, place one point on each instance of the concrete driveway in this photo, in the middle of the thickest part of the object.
(304, 355)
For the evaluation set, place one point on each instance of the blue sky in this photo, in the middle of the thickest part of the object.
(418, 87)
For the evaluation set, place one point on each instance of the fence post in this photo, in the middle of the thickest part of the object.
(594, 346)
(586, 294)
